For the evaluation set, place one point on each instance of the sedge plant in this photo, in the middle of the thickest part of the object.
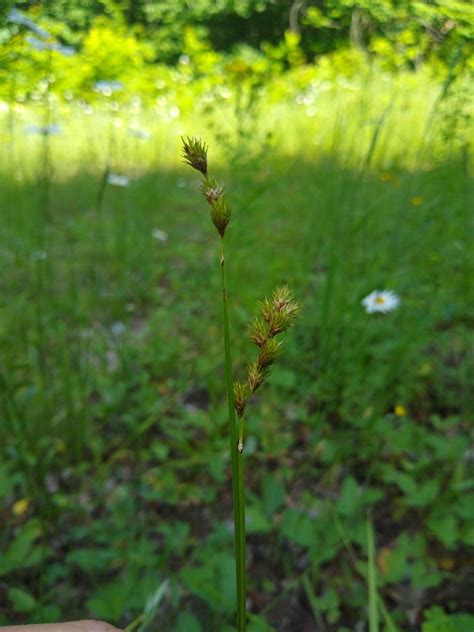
(277, 314)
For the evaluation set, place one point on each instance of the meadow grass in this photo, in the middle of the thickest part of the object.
(112, 370)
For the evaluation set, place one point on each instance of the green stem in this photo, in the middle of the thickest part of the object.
(237, 467)
(372, 580)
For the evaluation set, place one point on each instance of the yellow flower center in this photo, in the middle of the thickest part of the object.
(380, 300)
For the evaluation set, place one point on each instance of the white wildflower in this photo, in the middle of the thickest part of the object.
(117, 180)
(381, 301)
(160, 235)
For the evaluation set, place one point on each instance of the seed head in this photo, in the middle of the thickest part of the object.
(283, 301)
(269, 353)
(241, 395)
(212, 190)
(258, 332)
(280, 311)
(220, 214)
(195, 153)
(256, 376)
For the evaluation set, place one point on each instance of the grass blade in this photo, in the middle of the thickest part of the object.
(308, 588)
(371, 578)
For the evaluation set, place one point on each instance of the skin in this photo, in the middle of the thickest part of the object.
(72, 626)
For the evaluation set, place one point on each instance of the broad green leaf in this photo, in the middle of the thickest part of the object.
(91, 560)
(22, 552)
(256, 521)
(298, 527)
(22, 600)
(445, 528)
(349, 499)
(273, 494)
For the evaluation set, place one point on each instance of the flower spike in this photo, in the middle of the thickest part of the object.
(195, 154)
(278, 314)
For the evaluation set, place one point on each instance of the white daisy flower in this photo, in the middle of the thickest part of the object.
(381, 301)
(118, 181)
(160, 235)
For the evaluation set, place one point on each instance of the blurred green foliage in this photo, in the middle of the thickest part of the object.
(131, 41)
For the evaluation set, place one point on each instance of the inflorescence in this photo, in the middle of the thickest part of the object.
(278, 314)
(195, 155)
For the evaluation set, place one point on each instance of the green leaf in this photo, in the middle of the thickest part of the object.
(22, 552)
(256, 521)
(298, 527)
(90, 560)
(258, 624)
(22, 600)
(111, 601)
(425, 494)
(406, 483)
(273, 494)
(46, 613)
(187, 622)
(349, 499)
(444, 528)
(437, 621)
(214, 581)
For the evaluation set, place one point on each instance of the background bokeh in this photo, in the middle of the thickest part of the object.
(342, 132)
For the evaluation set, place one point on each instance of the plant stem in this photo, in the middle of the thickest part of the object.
(237, 466)
(371, 579)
